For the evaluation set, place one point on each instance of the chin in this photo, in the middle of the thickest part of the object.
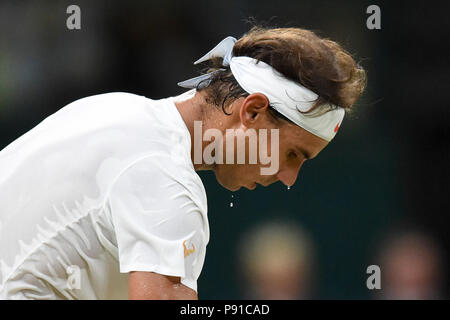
(234, 188)
(227, 184)
(230, 188)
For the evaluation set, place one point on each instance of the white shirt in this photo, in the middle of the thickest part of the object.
(102, 187)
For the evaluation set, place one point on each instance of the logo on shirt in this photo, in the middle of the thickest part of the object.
(74, 277)
(188, 251)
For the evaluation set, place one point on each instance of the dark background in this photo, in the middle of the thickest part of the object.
(387, 167)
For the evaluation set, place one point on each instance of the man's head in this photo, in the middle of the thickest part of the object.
(319, 65)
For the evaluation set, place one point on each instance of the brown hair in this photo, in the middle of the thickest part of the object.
(320, 65)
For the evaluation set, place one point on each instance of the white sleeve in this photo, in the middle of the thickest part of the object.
(158, 225)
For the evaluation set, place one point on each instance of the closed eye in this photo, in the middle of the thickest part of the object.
(306, 155)
(292, 154)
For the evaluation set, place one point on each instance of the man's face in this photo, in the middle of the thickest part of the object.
(293, 147)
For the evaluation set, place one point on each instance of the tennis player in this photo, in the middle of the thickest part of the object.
(101, 200)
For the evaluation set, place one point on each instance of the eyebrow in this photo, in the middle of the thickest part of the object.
(304, 152)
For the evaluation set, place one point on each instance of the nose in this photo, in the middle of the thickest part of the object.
(289, 174)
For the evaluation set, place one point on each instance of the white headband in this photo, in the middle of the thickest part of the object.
(285, 96)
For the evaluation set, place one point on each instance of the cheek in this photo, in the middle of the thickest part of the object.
(268, 146)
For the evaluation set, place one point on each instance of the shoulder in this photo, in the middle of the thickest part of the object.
(160, 189)
(161, 175)
(128, 111)
(110, 99)
(112, 96)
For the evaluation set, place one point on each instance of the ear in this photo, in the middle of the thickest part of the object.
(253, 109)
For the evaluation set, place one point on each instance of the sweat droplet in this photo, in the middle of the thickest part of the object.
(289, 188)
(231, 204)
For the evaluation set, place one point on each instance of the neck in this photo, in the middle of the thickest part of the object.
(194, 109)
